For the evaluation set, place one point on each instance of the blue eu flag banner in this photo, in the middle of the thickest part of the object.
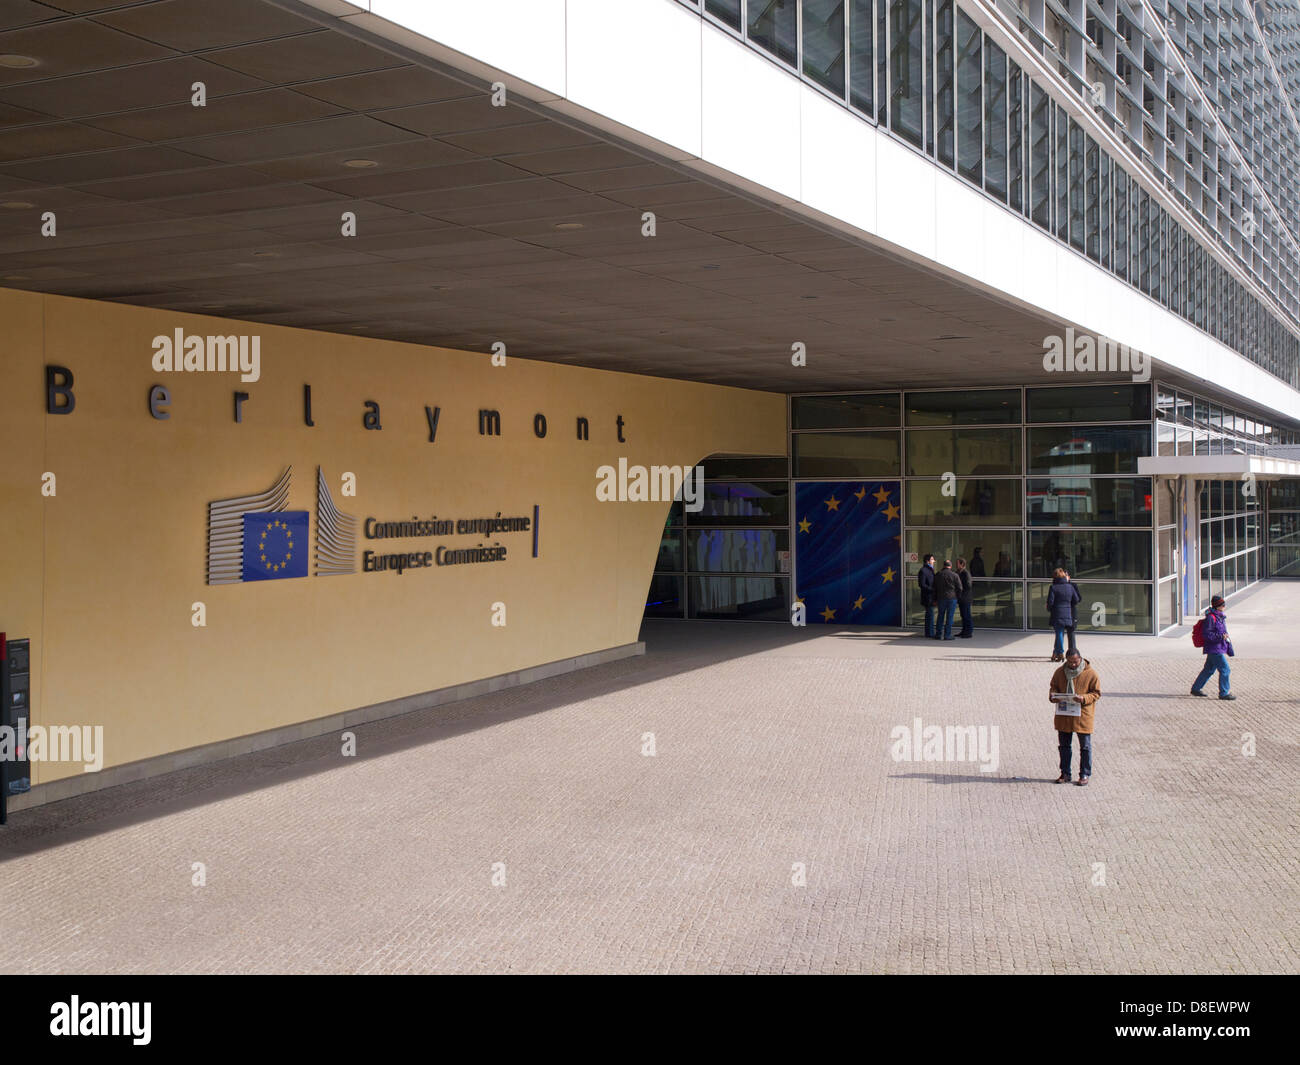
(275, 545)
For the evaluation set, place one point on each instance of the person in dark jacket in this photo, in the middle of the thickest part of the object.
(1062, 598)
(925, 578)
(977, 563)
(947, 590)
(964, 601)
(1217, 648)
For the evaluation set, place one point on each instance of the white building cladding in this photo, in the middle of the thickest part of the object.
(1125, 168)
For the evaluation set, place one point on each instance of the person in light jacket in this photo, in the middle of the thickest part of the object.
(1218, 649)
(1078, 679)
(1062, 597)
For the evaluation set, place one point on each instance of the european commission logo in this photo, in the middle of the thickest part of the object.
(254, 538)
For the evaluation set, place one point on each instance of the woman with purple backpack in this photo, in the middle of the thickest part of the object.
(1217, 647)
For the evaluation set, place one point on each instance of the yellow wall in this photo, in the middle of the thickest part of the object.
(103, 575)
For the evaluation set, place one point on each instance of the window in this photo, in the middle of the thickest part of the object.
(1015, 137)
(995, 406)
(943, 79)
(969, 452)
(772, 26)
(995, 120)
(1103, 222)
(823, 43)
(873, 454)
(1040, 157)
(976, 502)
(1092, 403)
(727, 11)
(867, 411)
(907, 93)
(970, 137)
(1091, 209)
(1091, 554)
(1127, 607)
(1062, 140)
(1079, 501)
(1076, 185)
(1090, 449)
(862, 71)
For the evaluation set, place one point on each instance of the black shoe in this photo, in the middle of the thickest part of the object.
(1199, 695)
(1228, 696)
(964, 635)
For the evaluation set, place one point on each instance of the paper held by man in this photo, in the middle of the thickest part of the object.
(1067, 705)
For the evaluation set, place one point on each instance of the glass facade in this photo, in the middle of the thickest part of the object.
(1019, 482)
(1193, 212)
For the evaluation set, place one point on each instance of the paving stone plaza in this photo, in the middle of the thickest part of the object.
(533, 831)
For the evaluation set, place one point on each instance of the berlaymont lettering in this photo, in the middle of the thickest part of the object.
(61, 398)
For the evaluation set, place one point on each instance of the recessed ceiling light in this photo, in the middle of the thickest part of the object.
(360, 164)
(266, 255)
(18, 62)
(569, 225)
(14, 277)
(16, 205)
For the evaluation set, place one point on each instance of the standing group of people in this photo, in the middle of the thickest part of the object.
(943, 592)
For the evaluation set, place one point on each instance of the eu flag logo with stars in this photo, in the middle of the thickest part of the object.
(848, 552)
(275, 545)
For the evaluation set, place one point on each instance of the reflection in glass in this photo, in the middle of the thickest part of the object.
(1087, 450)
(1086, 554)
(1089, 501)
(743, 503)
(994, 604)
(846, 455)
(735, 550)
(977, 502)
(1120, 607)
(977, 452)
(988, 552)
(744, 598)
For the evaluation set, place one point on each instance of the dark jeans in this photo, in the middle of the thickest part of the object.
(1213, 662)
(946, 610)
(967, 625)
(929, 619)
(1061, 630)
(1085, 752)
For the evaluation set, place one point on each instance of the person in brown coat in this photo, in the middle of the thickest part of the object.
(1079, 680)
